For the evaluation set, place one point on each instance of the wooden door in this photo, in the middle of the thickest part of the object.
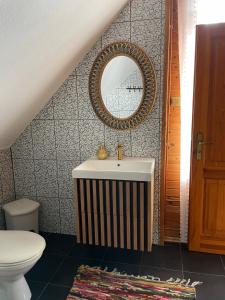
(207, 189)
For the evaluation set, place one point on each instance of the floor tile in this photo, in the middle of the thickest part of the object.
(54, 292)
(123, 256)
(163, 274)
(202, 263)
(44, 234)
(45, 268)
(66, 273)
(93, 252)
(60, 243)
(36, 288)
(212, 288)
(163, 257)
(223, 260)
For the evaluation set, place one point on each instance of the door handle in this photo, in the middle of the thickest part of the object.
(199, 143)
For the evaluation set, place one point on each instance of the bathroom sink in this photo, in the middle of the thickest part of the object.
(130, 168)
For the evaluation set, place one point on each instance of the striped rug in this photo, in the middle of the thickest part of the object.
(94, 283)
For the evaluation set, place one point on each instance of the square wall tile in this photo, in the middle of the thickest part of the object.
(116, 32)
(65, 168)
(147, 35)
(145, 9)
(84, 67)
(65, 100)
(67, 140)
(91, 136)
(1, 195)
(23, 147)
(124, 15)
(49, 217)
(5, 155)
(67, 216)
(145, 139)
(2, 219)
(43, 133)
(84, 103)
(115, 137)
(46, 178)
(46, 113)
(7, 181)
(24, 177)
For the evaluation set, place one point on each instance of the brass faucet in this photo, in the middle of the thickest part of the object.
(119, 152)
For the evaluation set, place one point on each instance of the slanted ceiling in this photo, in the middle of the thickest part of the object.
(41, 42)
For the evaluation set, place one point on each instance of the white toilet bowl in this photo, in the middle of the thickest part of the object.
(19, 251)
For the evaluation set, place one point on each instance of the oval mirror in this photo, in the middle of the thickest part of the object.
(122, 86)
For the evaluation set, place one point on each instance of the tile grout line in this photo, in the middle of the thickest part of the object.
(222, 262)
(57, 172)
(35, 178)
(42, 291)
(181, 258)
(14, 182)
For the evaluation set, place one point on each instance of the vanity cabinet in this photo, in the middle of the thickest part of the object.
(114, 213)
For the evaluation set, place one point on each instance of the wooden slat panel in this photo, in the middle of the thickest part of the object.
(95, 212)
(102, 213)
(150, 207)
(128, 214)
(121, 215)
(142, 216)
(114, 215)
(75, 203)
(109, 242)
(135, 214)
(89, 212)
(83, 211)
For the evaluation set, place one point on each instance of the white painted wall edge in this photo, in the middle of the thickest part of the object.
(41, 42)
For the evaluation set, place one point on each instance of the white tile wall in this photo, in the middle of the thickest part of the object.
(67, 131)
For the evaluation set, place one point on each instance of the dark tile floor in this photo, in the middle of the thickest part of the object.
(52, 276)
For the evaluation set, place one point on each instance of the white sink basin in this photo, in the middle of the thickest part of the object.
(130, 168)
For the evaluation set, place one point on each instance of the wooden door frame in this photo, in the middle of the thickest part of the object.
(166, 103)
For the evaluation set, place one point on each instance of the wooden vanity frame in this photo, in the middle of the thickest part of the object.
(114, 213)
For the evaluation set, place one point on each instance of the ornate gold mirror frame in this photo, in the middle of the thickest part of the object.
(149, 85)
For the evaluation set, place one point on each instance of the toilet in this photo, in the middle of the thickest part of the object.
(19, 252)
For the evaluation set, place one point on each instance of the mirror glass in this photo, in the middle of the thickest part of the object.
(122, 86)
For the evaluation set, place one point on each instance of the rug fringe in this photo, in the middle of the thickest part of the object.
(184, 282)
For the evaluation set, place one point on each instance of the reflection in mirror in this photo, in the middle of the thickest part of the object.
(122, 86)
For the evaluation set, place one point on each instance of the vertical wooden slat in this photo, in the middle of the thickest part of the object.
(108, 214)
(135, 214)
(95, 212)
(76, 207)
(83, 211)
(121, 215)
(89, 211)
(142, 246)
(150, 214)
(114, 215)
(102, 213)
(128, 214)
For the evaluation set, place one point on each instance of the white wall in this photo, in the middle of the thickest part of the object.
(41, 42)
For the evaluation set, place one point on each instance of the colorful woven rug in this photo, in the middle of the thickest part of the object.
(94, 283)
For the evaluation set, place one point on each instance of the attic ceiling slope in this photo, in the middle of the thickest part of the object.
(41, 42)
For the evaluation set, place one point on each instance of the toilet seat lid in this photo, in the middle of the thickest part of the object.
(20, 207)
(19, 246)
